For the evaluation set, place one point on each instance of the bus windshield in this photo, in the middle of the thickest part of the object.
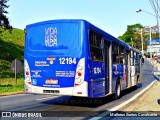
(54, 37)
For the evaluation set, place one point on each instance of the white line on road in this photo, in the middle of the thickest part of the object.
(123, 104)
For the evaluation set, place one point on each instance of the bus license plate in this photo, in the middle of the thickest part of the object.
(51, 81)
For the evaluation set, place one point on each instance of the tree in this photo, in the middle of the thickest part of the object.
(3, 18)
(132, 35)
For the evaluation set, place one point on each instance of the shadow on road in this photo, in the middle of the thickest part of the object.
(86, 102)
(158, 101)
(157, 77)
(80, 101)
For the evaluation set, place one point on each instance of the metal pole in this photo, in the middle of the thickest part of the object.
(159, 30)
(150, 42)
(15, 71)
(132, 42)
(142, 41)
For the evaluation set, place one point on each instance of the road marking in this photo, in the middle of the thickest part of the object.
(123, 104)
(47, 98)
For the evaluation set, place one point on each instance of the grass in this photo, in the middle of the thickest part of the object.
(11, 47)
(7, 85)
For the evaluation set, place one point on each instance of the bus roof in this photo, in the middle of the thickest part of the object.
(106, 35)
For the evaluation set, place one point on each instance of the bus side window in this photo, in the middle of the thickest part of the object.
(93, 56)
(115, 55)
(96, 54)
(121, 54)
(115, 58)
(95, 46)
(131, 57)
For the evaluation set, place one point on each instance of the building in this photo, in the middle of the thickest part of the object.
(153, 45)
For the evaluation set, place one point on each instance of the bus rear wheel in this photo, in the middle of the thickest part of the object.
(118, 91)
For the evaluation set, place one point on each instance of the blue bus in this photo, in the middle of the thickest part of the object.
(76, 58)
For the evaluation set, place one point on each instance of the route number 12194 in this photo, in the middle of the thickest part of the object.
(67, 60)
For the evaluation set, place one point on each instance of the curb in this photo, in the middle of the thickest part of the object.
(9, 94)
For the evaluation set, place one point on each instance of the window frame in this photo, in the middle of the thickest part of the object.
(96, 45)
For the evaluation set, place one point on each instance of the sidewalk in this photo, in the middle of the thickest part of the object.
(150, 100)
(154, 62)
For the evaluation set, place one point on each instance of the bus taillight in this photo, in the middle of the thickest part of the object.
(29, 83)
(26, 89)
(79, 78)
(79, 74)
(27, 72)
(79, 92)
(76, 85)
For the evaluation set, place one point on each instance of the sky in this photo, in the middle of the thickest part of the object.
(112, 16)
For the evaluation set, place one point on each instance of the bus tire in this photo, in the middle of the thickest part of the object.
(118, 90)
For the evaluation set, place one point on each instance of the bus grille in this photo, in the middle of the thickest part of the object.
(50, 91)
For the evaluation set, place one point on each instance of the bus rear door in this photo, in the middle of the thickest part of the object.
(106, 62)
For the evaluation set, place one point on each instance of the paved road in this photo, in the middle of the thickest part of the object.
(27, 102)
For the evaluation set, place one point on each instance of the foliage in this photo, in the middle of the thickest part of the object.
(3, 18)
(132, 35)
(11, 47)
(16, 37)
